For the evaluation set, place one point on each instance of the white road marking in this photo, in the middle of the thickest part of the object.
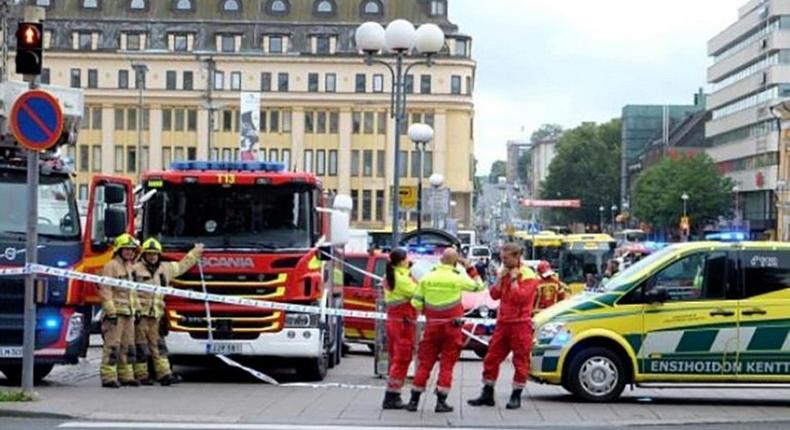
(206, 426)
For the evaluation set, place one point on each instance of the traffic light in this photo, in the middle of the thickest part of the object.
(29, 44)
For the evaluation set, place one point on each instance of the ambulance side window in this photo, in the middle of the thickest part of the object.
(702, 276)
(765, 272)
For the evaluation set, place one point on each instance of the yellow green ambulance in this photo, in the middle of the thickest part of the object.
(699, 312)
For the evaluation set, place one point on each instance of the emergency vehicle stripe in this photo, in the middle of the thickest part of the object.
(726, 340)
(767, 338)
(696, 340)
(786, 344)
(661, 343)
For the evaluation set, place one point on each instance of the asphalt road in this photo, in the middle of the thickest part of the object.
(52, 424)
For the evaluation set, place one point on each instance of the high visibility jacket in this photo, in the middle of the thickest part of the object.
(439, 292)
(515, 291)
(550, 291)
(398, 299)
(117, 301)
(153, 304)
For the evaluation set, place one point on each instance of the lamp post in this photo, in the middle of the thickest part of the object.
(735, 190)
(436, 181)
(685, 198)
(398, 38)
(420, 134)
(614, 210)
(140, 70)
(600, 224)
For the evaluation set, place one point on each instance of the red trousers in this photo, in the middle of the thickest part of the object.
(401, 336)
(515, 337)
(442, 342)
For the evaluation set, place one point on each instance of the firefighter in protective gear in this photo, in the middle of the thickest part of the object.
(439, 298)
(401, 325)
(550, 289)
(119, 309)
(151, 270)
(515, 288)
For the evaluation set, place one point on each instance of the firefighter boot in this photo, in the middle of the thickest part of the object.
(392, 400)
(414, 401)
(111, 384)
(486, 397)
(515, 399)
(441, 403)
(167, 380)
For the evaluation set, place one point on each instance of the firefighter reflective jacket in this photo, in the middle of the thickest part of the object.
(440, 291)
(550, 291)
(515, 291)
(153, 304)
(398, 299)
(117, 301)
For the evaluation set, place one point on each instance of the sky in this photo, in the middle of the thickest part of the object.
(570, 61)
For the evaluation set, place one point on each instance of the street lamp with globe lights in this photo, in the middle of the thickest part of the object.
(420, 134)
(614, 210)
(398, 39)
(600, 225)
(436, 181)
(685, 198)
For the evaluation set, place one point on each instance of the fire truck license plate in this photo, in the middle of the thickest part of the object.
(10, 351)
(225, 348)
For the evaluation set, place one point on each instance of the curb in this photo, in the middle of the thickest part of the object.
(16, 413)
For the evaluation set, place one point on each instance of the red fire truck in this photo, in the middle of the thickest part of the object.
(267, 237)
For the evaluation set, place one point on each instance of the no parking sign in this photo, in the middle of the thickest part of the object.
(36, 120)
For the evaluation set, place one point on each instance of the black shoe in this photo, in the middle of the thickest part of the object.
(110, 384)
(414, 401)
(441, 404)
(146, 382)
(486, 397)
(166, 380)
(175, 378)
(132, 383)
(392, 401)
(515, 399)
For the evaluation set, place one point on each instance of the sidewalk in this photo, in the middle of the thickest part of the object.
(74, 391)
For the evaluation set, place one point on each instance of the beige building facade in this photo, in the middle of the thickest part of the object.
(322, 109)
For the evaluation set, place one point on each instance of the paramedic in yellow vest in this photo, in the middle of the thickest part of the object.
(152, 270)
(119, 307)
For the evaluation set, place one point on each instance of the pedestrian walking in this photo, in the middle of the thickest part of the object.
(399, 289)
(119, 309)
(550, 289)
(151, 270)
(515, 288)
(439, 298)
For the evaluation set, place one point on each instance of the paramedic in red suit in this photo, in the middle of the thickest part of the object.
(515, 288)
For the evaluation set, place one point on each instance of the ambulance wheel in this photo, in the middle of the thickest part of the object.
(596, 375)
(314, 369)
(14, 372)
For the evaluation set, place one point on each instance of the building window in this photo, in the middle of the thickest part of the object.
(312, 82)
(286, 158)
(428, 119)
(425, 84)
(219, 80)
(274, 121)
(438, 7)
(354, 205)
(84, 158)
(372, 7)
(379, 205)
(227, 120)
(228, 43)
(322, 45)
(309, 126)
(191, 120)
(167, 119)
(380, 163)
(354, 162)
(461, 48)
(90, 4)
(120, 118)
(408, 84)
(278, 7)
(360, 83)
(378, 83)
(356, 122)
(427, 164)
(96, 158)
(170, 80)
(320, 162)
(367, 205)
(266, 81)
(334, 122)
(282, 82)
(180, 43)
(320, 126)
(231, 6)
(308, 160)
(76, 78)
(131, 159)
(469, 85)
(118, 159)
(191, 153)
(367, 163)
(324, 7)
(167, 157)
(455, 84)
(133, 42)
(131, 119)
(332, 168)
(93, 78)
(45, 75)
(330, 83)
(86, 41)
(183, 4)
(235, 81)
(368, 122)
(188, 81)
(381, 123)
(403, 164)
(275, 44)
(137, 5)
(139, 79)
(179, 119)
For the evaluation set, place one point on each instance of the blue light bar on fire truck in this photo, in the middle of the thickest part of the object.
(240, 166)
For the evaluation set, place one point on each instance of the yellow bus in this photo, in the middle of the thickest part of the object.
(545, 245)
(582, 254)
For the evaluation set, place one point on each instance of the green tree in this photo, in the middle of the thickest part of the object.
(498, 168)
(658, 191)
(525, 166)
(547, 131)
(586, 167)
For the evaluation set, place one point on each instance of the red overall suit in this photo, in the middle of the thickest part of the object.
(401, 327)
(439, 296)
(516, 291)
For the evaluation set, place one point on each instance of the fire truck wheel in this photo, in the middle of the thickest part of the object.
(314, 369)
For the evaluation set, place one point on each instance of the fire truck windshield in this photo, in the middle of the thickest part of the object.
(57, 209)
(240, 217)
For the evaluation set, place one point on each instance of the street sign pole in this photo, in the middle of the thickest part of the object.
(29, 344)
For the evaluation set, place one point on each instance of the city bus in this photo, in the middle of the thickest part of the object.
(546, 245)
(583, 254)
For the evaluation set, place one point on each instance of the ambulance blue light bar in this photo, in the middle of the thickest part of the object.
(730, 236)
(241, 166)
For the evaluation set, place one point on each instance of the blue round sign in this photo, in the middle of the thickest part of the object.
(37, 120)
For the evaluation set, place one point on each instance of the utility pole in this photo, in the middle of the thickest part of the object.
(5, 11)
(140, 71)
(212, 66)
